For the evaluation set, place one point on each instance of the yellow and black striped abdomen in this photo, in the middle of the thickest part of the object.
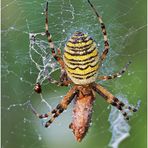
(81, 59)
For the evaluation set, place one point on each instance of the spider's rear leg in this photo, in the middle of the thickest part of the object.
(57, 56)
(104, 32)
(113, 100)
(64, 79)
(51, 43)
(115, 75)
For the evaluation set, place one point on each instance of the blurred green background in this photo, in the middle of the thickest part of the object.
(126, 27)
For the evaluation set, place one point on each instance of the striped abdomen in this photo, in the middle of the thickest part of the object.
(81, 58)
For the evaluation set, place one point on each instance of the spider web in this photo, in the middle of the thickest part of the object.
(26, 59)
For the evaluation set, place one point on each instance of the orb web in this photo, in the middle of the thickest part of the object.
(119, 127)
(29, 60)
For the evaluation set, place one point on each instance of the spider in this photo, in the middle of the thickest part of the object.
(79, 66)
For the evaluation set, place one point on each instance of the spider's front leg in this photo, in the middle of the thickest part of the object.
(113, 100)
(63, 105)
(59, 108)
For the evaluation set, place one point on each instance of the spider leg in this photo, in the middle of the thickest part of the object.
(118, 74)
(63, 105)
(106, 44)
(113, 100)
(41, 116)
(64, 79)
(59, 108)
(61, 83)
(51, 44)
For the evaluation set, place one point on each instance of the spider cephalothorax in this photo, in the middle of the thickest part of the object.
(79, 65)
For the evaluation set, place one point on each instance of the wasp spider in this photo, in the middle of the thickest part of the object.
(80, 65)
